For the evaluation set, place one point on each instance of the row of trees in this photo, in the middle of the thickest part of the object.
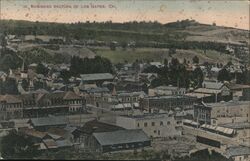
(88, 66)
(176, 74)
(241, 78)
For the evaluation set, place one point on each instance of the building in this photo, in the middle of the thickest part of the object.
(11, 107)
(223, 112)
(154, 125)
(166, 91)
(239, 91)
(60, 103)
(94, 126)
(202, 113)
(167, 102)
(238, 153)
(119, 140)
(44, 123)
(231, 109)
(39, 104)
(219, 91)
(242, 129)
(130, 97)
(97, 78)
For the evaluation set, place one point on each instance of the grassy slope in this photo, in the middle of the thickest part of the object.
(156, 54)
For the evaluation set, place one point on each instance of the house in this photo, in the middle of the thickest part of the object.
(238, 153)
(44, 123)
(157, 64)
(166, 91)
(3, 76)
(119, 140)
(46, 140)
(218, 90)
(239, 91)
(147, 77)
(214, 71)
(97, 78)
(154, 125)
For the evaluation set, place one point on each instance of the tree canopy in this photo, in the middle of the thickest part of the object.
(15, 146)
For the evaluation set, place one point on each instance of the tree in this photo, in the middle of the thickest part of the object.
(3, 42)
(65, 75)
(172, 51)
(112, 46)
(203, 155)
(15, 146)
(195, 60)
(124, 45)
(197, 77)
(165, 62)
(10, 86)
(224, 75)
(41, 69)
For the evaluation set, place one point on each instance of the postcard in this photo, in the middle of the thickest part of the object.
(165, 80)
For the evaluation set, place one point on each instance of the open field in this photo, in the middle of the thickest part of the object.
(156, 54)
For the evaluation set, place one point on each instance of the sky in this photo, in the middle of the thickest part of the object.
(231, 13)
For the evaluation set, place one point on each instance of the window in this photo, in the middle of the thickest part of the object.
(145, 124)
(153, 123)
(155, 131)
(159, 132)
(168, 123)
(138, 125)
(161, 123)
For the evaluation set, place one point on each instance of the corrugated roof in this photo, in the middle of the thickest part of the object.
(49, 121)
(237, 151)
(121, 137)
(96, 76)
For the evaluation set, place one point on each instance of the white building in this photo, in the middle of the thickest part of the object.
(166, 90)
(154, 125)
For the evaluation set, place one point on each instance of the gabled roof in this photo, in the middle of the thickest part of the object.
(96, 76)
(97, 126)
(121, 137)
(212, 85)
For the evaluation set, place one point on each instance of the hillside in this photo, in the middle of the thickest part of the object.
(189, 30)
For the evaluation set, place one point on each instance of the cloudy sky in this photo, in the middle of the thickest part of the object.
(231, 13)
